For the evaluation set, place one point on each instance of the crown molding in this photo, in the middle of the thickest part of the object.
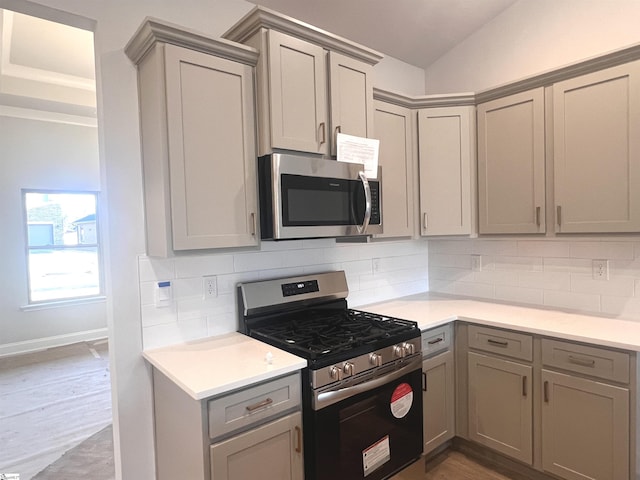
(261, 17)
(152, 31)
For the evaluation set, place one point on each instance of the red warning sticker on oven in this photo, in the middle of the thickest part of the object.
(401, 400)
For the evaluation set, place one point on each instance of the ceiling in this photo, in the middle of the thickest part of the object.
(417, 32)
(53, 74)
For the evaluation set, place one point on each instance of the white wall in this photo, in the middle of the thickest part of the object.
(553, 273)
(399, 77)
(41, 155)
(534, 36)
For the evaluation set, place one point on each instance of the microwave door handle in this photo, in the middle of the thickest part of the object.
(367, 210)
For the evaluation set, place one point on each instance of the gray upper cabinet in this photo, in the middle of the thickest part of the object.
(597, 151)
(446, 160)
(394, 127)
(511, 164)
(198, 139)
(296, 93)
(351, 92)
(311, 84)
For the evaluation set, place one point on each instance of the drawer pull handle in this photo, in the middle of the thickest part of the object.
(424, 381)
(266, 402)
(524, 386)
(546, 391)
(584, 362)
(298, 439)
(437, 340)
(498, 343)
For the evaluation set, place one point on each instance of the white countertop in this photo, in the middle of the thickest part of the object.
(221, 364)
(432, 310)
(217, 365)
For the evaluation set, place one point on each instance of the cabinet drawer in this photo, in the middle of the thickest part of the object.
(258, 403)
(592, 361)
(501, 342)
(436, 340)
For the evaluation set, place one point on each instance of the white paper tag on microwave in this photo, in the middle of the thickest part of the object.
(401, 400)
(362, 150)
(376, 455)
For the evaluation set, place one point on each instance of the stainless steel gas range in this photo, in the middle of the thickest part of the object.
(362, 388)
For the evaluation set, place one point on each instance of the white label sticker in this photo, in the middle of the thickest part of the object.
(376, 455)
(401, 400)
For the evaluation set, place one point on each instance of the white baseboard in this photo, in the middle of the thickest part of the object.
(48, 342)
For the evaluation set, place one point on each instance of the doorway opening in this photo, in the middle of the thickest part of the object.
(55, 395)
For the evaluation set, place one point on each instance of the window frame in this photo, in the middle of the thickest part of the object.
(28, 249)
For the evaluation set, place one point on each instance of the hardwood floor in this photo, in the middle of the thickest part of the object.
(51, 401)
(449, 465)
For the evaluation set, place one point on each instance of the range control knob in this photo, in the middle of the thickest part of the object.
(409, 348)
(335, 373)
(348, 368)
(375, 359)
(399, 351)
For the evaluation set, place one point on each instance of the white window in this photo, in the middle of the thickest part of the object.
(63, 251)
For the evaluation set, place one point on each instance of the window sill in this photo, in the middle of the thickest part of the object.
(63, 303)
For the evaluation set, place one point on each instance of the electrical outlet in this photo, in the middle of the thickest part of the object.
(600, 269)
(476, 263)
(209, 287)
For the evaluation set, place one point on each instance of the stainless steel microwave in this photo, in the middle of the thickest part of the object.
(311, 197)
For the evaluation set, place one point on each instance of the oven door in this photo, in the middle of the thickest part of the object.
(370, 435)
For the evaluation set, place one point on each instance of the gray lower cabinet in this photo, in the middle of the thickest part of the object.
(438, 400)
(253, 432)
(270, 452)
(586, 430)
(563, 408)
(500, 405)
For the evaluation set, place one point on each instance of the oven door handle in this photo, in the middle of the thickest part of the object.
(324, 399)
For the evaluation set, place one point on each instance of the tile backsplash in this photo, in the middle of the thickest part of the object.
(375, 272)
(556, 273)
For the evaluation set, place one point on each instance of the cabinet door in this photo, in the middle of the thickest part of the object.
(597, 151)
(585, 428)
(270, 452)
(511, 164)
(297, 89)
(438, 400)
(393, 127)
(500, 406)
(351, 92)
(445, 163)
(211, 133)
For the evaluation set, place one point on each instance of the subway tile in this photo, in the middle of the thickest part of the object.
(152, 315)
(545, 280)
(323, 267)
(342, 253)
(319, 243)
(627, 308)
(147, 293)
(301, 258)
(255, 261)
(389, 264)
(532, 264)
(519, 294)
(450, 246)
(168, 334)
(495, 277)
(221, 324)
(150, 269)
(479, 290)
(227, 283)
(618, 286)
(187, 287)
(542, 248)
(570, 265)
(357, 267)
(495, 247)
(280, 272)
(625, 267)
(451, 274)
(604, 250)
(450, 260)
(194, 266)
(572, 300)
(278, 246)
